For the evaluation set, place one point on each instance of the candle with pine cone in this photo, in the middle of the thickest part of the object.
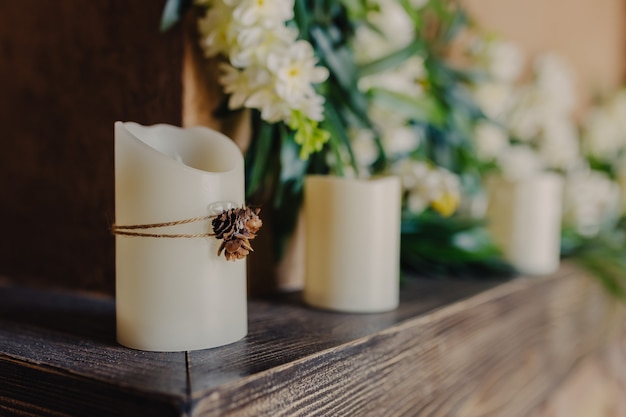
(236, 227)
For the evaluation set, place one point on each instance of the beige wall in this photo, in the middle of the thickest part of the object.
(590, 34)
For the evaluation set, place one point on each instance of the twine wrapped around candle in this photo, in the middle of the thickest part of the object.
(235, 226)
(128, 230)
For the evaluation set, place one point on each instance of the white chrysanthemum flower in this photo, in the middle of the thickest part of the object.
(428, 186)
(409, 171)
(490, 140)
(270, 70)
(494, 99)
(592, 201)
(559, 146)
(603, 137)
(241, 84)
(556, 83)
(264, 13)
(527, 116)
(504, 60)
(406, 78)
(398, 137)
(442, 188)
(385, 118)
(295, 70)
(519, 162)
(401, 140)
(273, 107)
(368, 45)
(254, 44)
(313, 107)
(418, 4)
(364, 148)
(389, 29)
(539, 114)
(393, 22)
(216, 29)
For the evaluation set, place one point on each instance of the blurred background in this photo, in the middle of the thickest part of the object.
(69, 69)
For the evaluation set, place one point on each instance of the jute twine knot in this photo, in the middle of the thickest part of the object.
(235, 227)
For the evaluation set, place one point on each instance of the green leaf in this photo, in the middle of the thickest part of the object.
(288, 195)
(351, 104)
(393, 60)
(336, 56)
(302, 17)
(292, 167)
(338, 134)
(459, 20)
(258, 157)
(604, 255)
(356, 9)
(601, 165)
(610, 272)
(460, 100)
(172, 13)
(420, 109)
(452, 247)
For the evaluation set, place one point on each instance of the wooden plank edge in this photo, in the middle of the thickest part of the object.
(40, 390)
(496, 353)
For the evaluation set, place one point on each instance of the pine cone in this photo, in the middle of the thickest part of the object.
(236, 227)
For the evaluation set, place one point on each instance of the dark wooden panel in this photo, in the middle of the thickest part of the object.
(69, 69)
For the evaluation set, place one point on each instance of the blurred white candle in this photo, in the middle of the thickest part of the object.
(175, 294)
(352, 258)
(524, 218)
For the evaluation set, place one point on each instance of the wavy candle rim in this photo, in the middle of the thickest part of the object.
(215, 155)
(171, 159)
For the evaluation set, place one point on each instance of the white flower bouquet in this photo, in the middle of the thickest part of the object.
(361, 88)
(355, 88)
(532, 126)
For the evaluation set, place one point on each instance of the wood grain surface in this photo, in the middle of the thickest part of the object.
(451, 349)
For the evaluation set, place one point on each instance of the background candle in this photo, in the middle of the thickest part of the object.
(176, 294)
(524, 218)
(352, 243)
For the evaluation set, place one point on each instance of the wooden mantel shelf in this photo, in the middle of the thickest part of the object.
(451, 349)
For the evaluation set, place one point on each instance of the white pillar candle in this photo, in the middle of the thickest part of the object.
(175, 294)
(352, 243)
(524, 218)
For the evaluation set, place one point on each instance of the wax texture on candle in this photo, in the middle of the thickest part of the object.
(175, 294)
(524, 218)
(352, 250)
